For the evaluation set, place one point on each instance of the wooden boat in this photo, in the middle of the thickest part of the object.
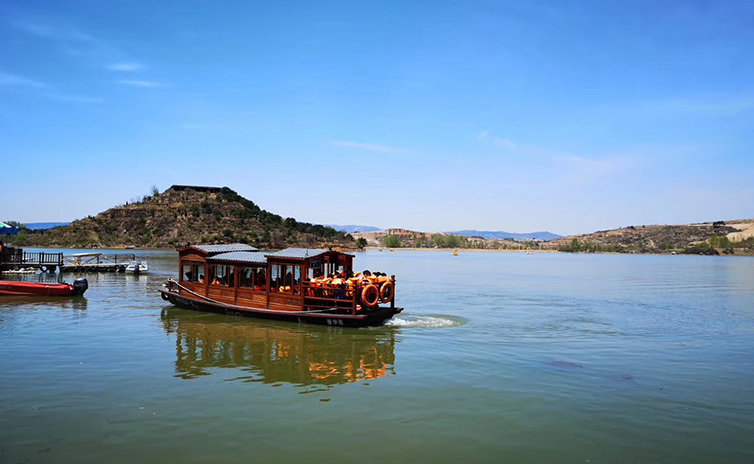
(13, 288)
(238, 279)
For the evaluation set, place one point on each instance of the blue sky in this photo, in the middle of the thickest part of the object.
(429, 115)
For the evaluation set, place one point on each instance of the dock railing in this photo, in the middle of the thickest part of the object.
(42, 258)
(98, 258)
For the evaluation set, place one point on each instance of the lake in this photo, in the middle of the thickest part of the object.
(498, 357)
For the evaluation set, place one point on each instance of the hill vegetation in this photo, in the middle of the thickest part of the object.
(177, 217)
(402, 238)
(705, 238)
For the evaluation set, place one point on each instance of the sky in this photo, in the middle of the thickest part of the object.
(514, 115)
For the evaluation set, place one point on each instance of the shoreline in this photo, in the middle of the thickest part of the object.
(461, 250)
(439, 250)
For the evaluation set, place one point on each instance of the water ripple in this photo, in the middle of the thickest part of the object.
(425, 321)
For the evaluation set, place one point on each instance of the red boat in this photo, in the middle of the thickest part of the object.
(13, 288)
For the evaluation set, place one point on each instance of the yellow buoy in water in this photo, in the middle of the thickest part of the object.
(455, 253)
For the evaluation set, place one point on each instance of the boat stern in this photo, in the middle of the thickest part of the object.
(80, 286)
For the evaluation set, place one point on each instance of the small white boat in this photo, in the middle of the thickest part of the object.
(138, 267)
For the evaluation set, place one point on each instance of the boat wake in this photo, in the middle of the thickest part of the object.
(425, 321)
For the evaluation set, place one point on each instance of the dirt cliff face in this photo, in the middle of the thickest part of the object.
(175, 218)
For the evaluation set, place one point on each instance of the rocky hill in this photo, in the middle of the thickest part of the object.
(184, 215)
(709, 238)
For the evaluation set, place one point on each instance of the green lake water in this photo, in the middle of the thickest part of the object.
(498, 357)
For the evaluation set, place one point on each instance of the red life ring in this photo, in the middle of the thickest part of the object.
(370, 295)
(386, 292)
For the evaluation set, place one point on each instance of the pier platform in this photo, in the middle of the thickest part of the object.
(16, 259)
(97, 262)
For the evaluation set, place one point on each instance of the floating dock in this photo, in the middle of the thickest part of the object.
(96, 262)
(16, 260)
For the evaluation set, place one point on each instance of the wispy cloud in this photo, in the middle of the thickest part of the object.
(74, 42)
(368, 146)
(704, 106)
(721, 105)
(579, 168)
(499, 142)
(143, 84)
(125, 67)
(75, 98)
(19, 81)
(574, 168)
(62, 32)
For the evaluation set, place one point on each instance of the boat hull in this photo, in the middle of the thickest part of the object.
(374, 317)
(12, 288)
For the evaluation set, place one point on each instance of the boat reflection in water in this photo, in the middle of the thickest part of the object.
(274, 352)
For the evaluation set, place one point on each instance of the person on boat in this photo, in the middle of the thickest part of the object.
(370, 277)
(351, 281)
(313, 287)
(327, 286)
(259, 280)
(338, 285)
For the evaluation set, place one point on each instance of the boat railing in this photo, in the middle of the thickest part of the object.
(320, 295)
(348, 293)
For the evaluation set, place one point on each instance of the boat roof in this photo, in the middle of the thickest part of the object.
(240, 257)
(239, 252)
(85, 254)
(300, 253)
(224, 248)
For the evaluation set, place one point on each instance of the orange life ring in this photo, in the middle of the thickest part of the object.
(386, 292)
(370, 295)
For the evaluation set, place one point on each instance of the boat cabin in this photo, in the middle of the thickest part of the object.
(293, 279)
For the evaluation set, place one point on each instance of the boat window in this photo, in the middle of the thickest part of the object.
(285, 278)
(296, 278)
(191, 272)
(246, 277)
(274, 273)
(252, 277)
(187, 273)
(260, 280)
(219, 274)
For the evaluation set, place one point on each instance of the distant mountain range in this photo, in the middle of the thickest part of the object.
(349, 229)
(544, 236)
(44, 225)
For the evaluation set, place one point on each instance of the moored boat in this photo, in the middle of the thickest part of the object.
(296, 284)
(13, 288)
(138, 267)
